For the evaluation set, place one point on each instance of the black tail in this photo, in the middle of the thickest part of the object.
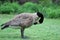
(41, 17)
(4, 26)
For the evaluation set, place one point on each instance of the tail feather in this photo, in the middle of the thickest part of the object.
(4, 26)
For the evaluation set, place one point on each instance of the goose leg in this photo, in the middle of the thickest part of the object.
(22, 32)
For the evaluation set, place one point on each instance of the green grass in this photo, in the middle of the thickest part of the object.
(49, 30)
(49, 9)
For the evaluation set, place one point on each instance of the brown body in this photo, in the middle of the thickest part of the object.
(24, 20)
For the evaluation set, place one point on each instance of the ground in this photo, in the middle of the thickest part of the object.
(48, 30)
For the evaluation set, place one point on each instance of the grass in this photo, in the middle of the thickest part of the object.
(49, 9)
(49, 30)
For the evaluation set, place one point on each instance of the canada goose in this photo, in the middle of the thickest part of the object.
(24, 20)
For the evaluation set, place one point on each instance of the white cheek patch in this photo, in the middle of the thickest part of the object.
(38, 20)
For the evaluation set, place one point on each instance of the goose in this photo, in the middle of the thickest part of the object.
(24, 20)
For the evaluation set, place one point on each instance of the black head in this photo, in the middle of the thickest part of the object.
(41, 17)
(39, 14)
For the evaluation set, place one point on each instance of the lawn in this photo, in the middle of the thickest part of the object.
(48, 30)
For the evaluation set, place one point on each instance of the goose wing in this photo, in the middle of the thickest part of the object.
(22, 20)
